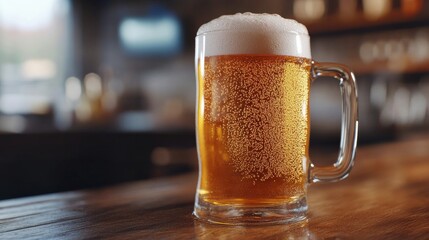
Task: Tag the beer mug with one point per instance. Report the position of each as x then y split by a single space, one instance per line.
254 73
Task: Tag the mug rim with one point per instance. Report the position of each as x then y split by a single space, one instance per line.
251 32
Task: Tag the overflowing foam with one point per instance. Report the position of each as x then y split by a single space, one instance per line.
249 33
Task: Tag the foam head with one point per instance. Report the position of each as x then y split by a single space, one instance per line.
249 33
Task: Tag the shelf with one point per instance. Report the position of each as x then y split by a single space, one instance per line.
332 25
383 67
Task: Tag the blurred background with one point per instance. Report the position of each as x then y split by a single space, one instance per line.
100 92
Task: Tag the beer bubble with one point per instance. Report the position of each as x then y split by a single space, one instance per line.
256 118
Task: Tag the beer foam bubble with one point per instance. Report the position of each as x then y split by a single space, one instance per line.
250 33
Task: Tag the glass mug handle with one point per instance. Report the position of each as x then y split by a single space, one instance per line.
349 123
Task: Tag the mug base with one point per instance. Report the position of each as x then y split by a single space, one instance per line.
286 213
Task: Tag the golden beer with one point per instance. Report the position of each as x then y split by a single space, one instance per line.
253 77
253 129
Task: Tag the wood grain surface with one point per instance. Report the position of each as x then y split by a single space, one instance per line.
385 197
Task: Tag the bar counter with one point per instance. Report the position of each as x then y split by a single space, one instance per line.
385 197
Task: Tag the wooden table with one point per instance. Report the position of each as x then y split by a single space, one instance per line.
385 197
